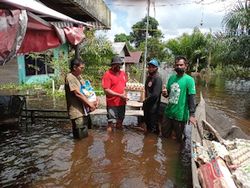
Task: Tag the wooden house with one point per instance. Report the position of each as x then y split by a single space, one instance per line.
69 16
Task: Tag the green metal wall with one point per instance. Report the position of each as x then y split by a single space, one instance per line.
23 79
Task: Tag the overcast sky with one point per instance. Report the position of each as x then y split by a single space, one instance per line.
175 17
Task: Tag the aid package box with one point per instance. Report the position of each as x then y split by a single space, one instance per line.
135 91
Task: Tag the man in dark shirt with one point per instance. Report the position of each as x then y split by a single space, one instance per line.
151 104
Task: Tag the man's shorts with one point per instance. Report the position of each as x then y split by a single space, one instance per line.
115 113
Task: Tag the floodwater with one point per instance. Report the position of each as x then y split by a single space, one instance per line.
230 97
46 155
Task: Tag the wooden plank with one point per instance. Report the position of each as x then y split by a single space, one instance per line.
196 138
211 129
44 110
46 116
127 113
96 112
134 104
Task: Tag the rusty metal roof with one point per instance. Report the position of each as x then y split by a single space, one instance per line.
41 10
134 57
118 47
86 11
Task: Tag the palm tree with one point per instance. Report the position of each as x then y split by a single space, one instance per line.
237 21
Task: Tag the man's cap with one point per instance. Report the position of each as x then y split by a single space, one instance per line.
116 60
153 62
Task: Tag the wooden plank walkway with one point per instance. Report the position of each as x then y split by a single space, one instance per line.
134 104
62 114
127 112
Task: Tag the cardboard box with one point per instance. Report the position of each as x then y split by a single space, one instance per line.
215 174
135 95
135 91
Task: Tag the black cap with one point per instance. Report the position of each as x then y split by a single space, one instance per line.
116 60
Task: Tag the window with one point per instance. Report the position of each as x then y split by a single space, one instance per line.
37 64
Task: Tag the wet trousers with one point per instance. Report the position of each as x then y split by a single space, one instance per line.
151 120
80 127
170 125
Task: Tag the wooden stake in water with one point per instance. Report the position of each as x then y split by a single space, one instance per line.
53 87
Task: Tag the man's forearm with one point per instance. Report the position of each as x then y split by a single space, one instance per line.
112 93
82 98
191 104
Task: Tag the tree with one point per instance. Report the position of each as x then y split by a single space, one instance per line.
124 38
195 47
138 34
96 50
237 38
156 49
237 21
97 53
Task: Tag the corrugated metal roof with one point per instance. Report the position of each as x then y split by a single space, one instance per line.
42 10
62 24
134 57
90 11
119 46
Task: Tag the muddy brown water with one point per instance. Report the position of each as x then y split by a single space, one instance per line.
46 155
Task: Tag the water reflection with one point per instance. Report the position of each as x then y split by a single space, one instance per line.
28 156
230 97
75 176
47 156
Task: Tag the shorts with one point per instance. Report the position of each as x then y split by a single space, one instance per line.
115 113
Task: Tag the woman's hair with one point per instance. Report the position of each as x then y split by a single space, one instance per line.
75 62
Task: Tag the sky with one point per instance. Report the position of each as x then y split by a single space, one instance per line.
175 17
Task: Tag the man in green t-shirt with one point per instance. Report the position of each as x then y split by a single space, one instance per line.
180 90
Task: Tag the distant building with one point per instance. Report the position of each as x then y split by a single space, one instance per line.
64 14
129 58
135 58
121 49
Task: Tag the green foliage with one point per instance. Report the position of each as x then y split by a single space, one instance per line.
135 73
238 51
97 53
237 21
233 47
24 87
195 47
232 71
234 50
94 74
138 34
62 68
124 38
96 50
13 86
155 49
